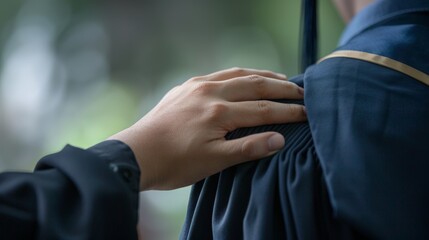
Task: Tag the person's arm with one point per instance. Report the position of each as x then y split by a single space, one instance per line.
73 194
93 193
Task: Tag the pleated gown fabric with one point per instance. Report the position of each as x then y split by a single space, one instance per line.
359 168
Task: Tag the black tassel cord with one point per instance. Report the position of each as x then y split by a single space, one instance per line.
308 34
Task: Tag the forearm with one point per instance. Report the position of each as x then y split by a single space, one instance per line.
75 194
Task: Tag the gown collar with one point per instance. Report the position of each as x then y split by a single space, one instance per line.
379 11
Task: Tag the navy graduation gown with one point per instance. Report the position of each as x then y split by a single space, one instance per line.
359 168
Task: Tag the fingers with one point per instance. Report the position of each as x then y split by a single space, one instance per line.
251 147
254 87
262 112
240 72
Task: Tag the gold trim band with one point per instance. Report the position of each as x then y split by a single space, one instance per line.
383 61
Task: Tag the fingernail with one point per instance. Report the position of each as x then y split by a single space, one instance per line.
301 91
304 110
276 142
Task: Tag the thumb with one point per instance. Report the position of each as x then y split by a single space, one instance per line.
253 147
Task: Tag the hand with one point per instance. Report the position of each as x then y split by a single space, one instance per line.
182 140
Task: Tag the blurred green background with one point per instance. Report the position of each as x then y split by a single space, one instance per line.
75 72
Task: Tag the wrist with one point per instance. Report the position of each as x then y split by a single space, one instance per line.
132 139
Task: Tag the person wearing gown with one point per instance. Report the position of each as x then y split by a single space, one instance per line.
359 168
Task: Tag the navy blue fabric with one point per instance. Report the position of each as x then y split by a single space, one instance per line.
359 169
379 12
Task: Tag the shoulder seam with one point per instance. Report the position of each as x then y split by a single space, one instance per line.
383 61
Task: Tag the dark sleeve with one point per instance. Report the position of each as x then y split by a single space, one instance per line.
73 194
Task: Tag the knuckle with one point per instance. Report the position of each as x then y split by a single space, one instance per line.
256 79
217 110
265 108
204 88
248 149
267 73
237 70
196 79
290 85
295 110
260 85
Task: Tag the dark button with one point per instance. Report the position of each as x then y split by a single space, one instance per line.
127 174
